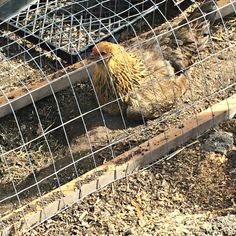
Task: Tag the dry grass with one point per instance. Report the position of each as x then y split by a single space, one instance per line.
190 194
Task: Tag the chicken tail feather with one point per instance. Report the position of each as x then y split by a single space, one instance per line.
203 17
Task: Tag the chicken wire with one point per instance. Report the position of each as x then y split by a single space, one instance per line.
71 27
59 138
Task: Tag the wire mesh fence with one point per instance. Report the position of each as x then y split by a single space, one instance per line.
82 82
69 28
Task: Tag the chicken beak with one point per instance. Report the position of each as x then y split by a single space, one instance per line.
91 56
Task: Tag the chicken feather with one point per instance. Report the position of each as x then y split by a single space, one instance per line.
142 82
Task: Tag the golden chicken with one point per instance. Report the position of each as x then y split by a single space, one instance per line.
142 83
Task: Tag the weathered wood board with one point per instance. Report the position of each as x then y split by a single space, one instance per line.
123 165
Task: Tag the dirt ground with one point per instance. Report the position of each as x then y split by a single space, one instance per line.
193 193
68 137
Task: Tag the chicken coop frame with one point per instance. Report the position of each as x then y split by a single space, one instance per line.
66 75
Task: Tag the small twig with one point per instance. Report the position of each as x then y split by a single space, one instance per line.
48 127
216 38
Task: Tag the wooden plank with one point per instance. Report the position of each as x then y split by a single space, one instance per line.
123 165
22 97
226 7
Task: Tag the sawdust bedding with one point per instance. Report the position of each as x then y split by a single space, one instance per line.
23 63
192 193
40 158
